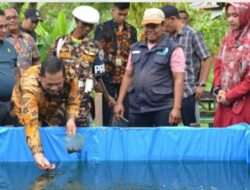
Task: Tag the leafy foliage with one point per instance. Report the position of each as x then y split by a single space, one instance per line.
4 5
61 26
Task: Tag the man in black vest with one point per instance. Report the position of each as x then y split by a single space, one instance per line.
154 77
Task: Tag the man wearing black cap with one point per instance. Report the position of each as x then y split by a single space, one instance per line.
29 23
197 62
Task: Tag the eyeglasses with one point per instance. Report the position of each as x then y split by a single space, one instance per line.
12 17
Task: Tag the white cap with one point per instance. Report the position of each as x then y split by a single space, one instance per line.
86 14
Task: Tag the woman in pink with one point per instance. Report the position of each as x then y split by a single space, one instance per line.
232 69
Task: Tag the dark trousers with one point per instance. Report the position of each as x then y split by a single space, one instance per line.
113 90
188 110
4 111
150 119
5 118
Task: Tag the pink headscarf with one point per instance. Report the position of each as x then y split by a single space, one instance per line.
238 36
233 58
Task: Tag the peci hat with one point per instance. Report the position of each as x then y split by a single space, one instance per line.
153 16
86 14
170 10
33 14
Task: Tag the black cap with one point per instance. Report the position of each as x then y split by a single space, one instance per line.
170 11
33 14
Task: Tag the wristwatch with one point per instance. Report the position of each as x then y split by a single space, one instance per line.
202 84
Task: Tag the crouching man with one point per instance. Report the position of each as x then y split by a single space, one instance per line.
45 96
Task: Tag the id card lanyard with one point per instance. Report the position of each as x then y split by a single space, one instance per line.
118 57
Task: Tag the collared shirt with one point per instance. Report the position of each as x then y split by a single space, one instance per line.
7 70
32 33
33 107
195 51
27 52
123 40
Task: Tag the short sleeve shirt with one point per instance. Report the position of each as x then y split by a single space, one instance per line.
195 51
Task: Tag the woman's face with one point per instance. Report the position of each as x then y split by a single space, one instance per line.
233 18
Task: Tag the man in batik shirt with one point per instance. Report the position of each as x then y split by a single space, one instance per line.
27 52
123 36
45 96
83 55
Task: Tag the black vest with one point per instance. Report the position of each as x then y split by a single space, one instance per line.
152 87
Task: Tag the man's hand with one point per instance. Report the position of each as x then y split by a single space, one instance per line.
71 127
118 110
112 101
43 163
199 92
175 116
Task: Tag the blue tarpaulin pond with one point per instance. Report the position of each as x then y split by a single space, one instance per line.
114 158
134 144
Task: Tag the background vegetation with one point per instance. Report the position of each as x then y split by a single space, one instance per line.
57 20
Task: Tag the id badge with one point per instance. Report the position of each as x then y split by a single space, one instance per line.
89 86
118 61
80 84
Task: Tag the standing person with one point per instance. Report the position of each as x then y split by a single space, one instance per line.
154 77
123 36
45 96
7 70
27 52
30 21
197 62
184 17
232 69
106 41
83 55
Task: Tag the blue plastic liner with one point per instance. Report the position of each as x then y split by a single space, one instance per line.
133 144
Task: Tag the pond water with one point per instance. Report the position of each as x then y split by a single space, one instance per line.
127 176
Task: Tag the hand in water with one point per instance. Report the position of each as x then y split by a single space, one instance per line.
43 163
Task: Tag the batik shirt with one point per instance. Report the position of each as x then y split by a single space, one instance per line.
27 52
123 49
34 107
123 40
83 56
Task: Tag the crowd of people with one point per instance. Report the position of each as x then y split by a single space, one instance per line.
157 81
